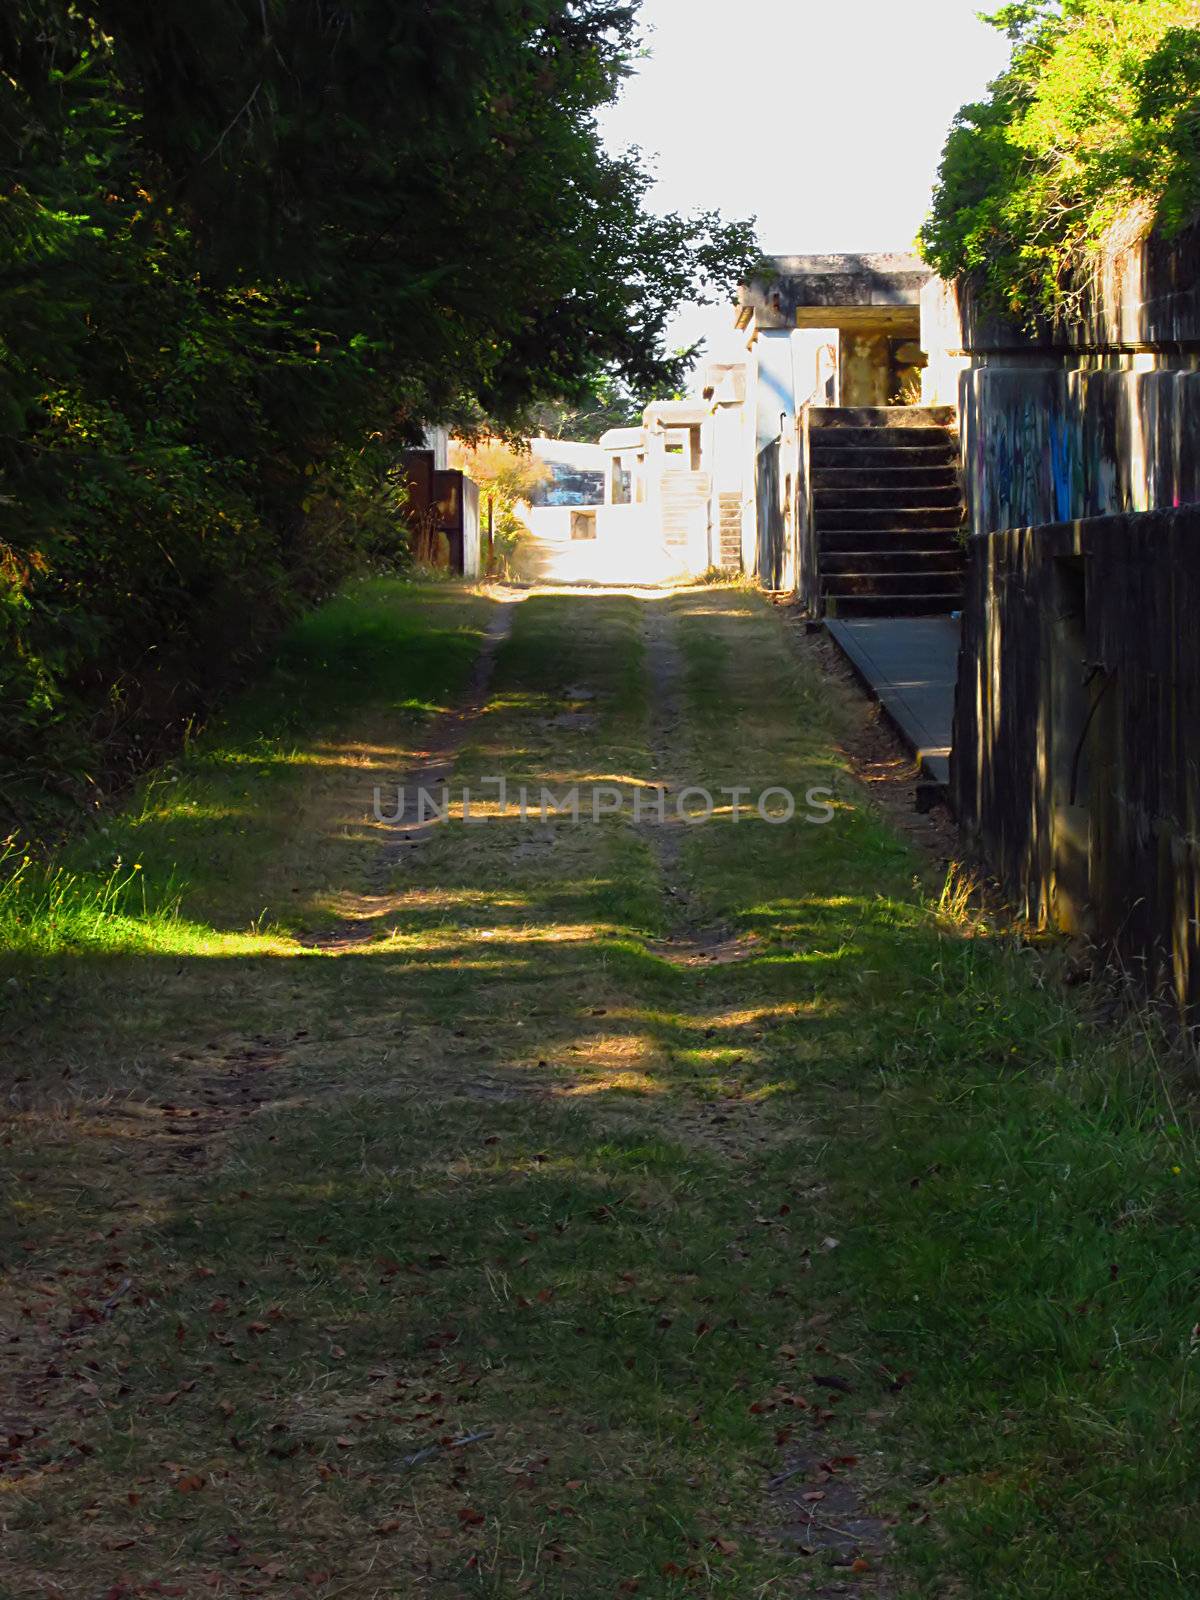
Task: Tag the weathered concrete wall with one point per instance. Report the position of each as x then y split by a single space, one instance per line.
1094 415
1076 763
799 366
768 561
729 435
472 530
456 498
776 383
1043 444
775 498
942 341
628 547
866 377
808 556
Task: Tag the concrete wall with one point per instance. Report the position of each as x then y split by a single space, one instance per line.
456 498
629 546
1076 764
437 442
726 453
1094 415
776 383
1044 444
942 340
807 561
805 365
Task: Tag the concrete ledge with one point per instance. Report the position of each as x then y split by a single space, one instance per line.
910 666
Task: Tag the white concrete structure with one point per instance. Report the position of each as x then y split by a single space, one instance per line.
674 496
681 484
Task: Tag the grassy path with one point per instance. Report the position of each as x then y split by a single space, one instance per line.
504 1221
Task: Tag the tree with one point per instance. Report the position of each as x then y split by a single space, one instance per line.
609 404
248 248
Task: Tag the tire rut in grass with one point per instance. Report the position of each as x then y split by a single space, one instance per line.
410 830
815 1504
692 938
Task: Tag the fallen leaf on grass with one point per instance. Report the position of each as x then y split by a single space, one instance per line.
469 1517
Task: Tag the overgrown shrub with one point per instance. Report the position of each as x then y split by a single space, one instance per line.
1091 137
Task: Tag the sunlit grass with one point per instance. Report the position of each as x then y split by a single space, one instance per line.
174 871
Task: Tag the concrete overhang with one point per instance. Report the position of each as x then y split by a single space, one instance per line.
623 439
828 291
675 414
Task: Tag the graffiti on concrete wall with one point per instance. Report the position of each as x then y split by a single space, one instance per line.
1045 445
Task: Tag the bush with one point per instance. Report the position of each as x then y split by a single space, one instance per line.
1091 136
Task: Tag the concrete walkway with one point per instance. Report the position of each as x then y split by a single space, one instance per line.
910 665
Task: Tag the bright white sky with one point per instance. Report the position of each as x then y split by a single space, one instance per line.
825 119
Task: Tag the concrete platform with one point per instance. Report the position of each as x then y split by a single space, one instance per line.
910 665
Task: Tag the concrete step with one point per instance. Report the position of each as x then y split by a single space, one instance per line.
837 541
905 560
914 437
829 418
923 582
934 476
888 510
927 519
892 605
912 496
860 458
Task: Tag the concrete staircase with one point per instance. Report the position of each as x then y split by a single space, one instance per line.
887 510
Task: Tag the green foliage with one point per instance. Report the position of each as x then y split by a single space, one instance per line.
1093 134
609 404
248 248
509 477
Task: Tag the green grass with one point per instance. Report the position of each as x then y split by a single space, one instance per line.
177 868
505 1168
1018 1195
